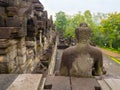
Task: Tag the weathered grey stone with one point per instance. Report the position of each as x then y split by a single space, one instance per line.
21 52
2 10
26 82
82 60
24 34
30 43
21 59
4 43
2 23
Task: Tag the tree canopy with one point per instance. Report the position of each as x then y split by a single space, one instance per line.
105 27
60 21
110 29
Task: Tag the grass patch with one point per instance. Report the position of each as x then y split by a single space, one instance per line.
115 51
112 49
115 59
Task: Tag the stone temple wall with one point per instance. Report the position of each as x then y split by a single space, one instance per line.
27 37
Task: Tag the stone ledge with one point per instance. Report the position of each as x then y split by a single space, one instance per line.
26 82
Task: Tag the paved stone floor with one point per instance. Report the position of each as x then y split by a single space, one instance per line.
6 80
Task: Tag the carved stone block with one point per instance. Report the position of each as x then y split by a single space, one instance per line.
4 3
13 22
2 10
11 32
11 11
2 23
4 43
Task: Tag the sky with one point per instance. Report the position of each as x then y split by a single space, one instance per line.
74 6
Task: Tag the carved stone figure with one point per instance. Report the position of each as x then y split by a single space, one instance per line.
82 60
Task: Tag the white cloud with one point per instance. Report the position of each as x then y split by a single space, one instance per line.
73 6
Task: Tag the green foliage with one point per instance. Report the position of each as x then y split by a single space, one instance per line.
105 27
115 59
69 23
110 28
72 24
112 49
61 20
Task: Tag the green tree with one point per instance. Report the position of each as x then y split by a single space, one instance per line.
88 16
104 33
110 28
72 23
61 20
69 23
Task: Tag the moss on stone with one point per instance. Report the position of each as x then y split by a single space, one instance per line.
99 70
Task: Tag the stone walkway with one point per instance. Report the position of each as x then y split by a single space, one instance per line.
6 80
26 82
21 81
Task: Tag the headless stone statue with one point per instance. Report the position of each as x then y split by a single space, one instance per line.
82 60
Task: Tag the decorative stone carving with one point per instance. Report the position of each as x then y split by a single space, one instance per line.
24 35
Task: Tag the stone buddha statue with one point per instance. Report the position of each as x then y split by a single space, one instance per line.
82 60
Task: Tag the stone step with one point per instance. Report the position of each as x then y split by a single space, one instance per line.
104 85
71 83
84 84
110 84
26 82
114 84
74 83
6 80
57 83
